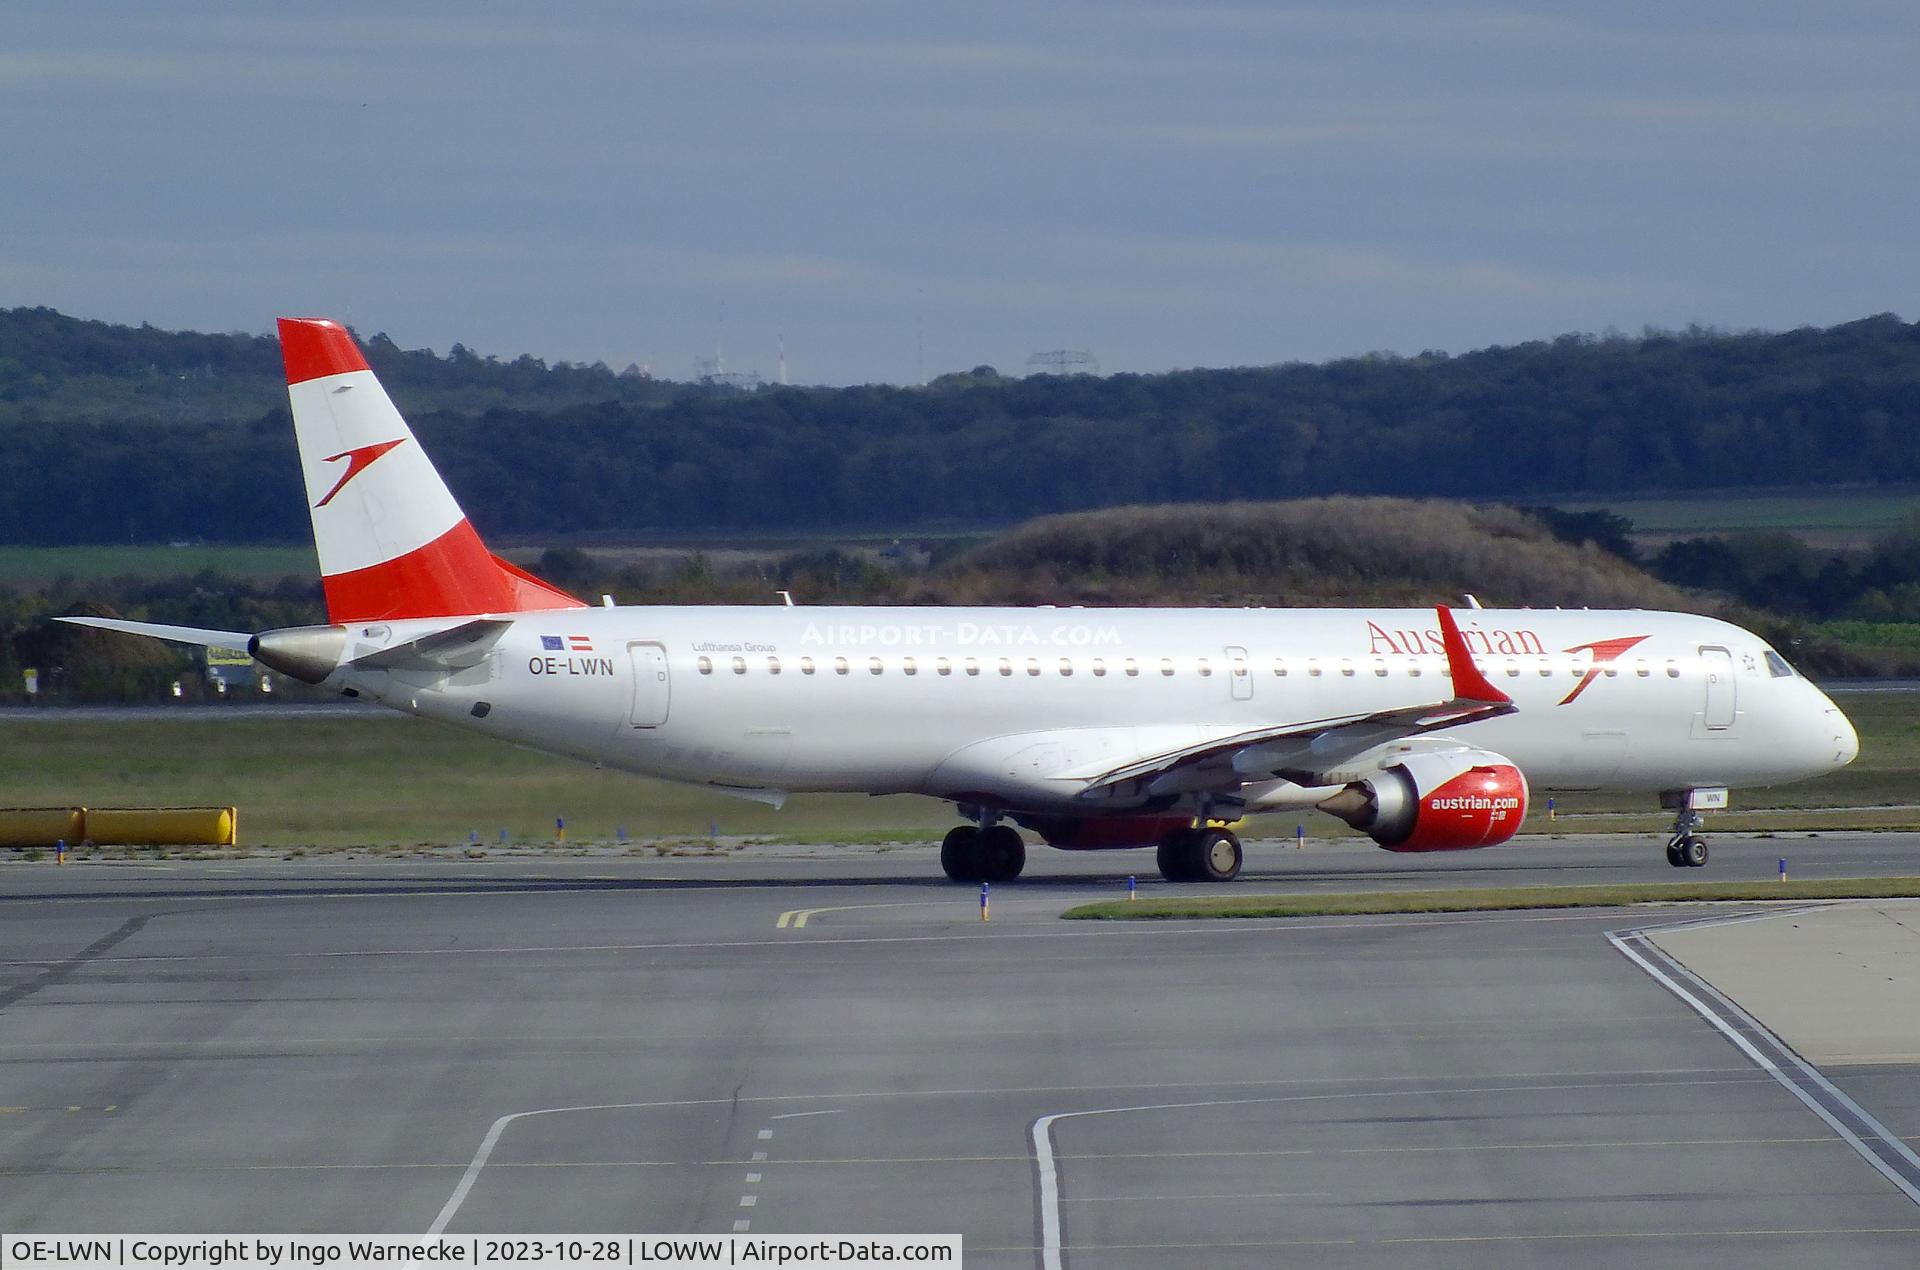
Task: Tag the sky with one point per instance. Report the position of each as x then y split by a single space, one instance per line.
896 190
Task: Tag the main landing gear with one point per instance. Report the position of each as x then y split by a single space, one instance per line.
994 854
1200 855
1687 849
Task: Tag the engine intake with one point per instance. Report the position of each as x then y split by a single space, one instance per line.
1453 800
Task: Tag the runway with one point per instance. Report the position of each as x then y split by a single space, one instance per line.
602 1045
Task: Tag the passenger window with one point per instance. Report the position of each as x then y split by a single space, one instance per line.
1413 670
1313 670
773 665
1033 665
806 665
1203 667
973 665
1379 669
1546 669
1346 669
1006 666
1166 665
1279 668
873 665
1239 669
1640 668
1613 672
706 665
840 666
908 666
1133 668
1673 670
1099 668
1513 670
739 665
943 666
1066 667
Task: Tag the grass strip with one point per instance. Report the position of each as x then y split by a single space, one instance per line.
1487 899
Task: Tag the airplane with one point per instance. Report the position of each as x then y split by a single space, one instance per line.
1092 728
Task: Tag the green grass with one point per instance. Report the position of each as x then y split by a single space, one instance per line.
1901 635
389 779
28 566
399 781
1848 510
1487 899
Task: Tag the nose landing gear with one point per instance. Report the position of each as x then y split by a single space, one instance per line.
1687 849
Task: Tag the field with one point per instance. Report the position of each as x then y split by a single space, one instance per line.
390 780
30 566
1835 518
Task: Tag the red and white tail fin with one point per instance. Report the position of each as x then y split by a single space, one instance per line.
392 541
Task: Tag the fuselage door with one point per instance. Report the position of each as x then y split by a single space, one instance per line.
650 685
1239 673
1718 664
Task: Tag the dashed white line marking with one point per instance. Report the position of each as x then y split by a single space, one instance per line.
764 1134
748 1201
741 1225
759 1156
753 1179
801 1115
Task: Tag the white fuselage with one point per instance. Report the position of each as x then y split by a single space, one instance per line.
991 705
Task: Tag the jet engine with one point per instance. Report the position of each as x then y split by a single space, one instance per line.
1449 800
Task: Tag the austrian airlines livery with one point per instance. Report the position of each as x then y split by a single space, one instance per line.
1428 730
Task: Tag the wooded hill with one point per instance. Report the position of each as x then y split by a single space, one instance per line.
117 433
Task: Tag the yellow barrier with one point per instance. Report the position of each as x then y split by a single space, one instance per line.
42 826
162 826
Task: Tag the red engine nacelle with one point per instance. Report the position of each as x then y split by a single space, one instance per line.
1452 800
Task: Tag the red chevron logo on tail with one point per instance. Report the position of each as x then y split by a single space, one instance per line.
357 462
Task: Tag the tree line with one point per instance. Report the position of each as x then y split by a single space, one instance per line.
99 452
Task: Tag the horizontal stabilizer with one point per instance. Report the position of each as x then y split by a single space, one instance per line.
236 640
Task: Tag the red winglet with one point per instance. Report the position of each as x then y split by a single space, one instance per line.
317 347
1468 683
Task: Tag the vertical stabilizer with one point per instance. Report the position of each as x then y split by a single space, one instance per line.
392 541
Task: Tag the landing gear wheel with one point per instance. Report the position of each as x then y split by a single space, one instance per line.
1174 857
1200 855
1674 857
1000 854
1216 856
1693 852
960 855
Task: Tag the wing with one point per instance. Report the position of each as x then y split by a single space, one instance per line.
237 640
1129 765
1302 749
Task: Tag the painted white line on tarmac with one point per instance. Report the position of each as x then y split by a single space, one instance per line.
1874 1142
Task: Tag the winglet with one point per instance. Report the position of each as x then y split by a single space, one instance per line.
1468 683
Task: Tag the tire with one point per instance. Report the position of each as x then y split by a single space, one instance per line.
1174 857
960 854
1216 856
1674 857
1000 853
1694 852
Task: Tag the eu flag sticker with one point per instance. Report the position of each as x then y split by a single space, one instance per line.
553 643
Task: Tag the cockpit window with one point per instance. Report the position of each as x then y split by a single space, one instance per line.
1777 666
